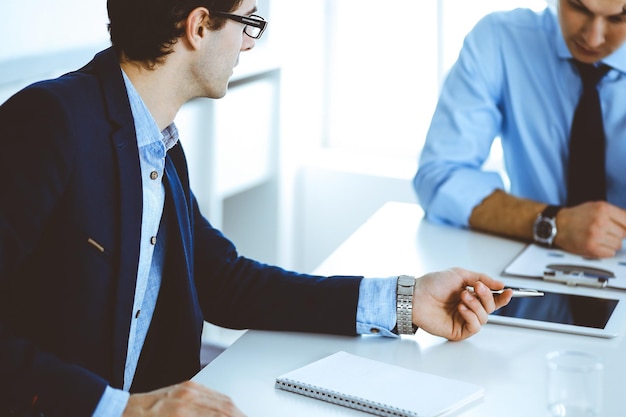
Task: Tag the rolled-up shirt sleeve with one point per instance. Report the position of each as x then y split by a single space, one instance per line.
450 181
376 310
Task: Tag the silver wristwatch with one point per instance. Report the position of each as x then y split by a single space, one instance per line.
404 305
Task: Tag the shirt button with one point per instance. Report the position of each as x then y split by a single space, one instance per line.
153 240
137 314
154 175
374 330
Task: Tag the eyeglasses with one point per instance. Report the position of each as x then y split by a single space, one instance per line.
255 25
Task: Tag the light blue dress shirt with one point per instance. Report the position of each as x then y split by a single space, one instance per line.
373 316
153 145
514 79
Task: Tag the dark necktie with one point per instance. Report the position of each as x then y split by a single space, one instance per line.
586 172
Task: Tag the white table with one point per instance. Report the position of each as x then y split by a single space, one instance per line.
508 361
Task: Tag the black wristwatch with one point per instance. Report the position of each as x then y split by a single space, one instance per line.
544 229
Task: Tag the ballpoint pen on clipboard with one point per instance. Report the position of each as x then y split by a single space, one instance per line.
578 275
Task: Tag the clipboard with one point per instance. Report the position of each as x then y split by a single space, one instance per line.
555 265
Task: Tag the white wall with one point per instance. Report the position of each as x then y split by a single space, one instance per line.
43 39
30 27
338 193
376 112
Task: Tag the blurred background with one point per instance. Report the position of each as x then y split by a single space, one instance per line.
323 123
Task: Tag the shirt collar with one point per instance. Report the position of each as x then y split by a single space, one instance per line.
170 136
146 127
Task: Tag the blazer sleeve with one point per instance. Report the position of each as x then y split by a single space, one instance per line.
238 292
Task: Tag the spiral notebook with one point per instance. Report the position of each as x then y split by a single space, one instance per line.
379 388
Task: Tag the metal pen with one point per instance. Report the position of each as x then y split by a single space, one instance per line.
517 292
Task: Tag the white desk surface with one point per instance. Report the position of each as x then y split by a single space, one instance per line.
507 361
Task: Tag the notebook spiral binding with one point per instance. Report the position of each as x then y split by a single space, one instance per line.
346 401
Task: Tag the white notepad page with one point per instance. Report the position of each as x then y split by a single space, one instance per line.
379 388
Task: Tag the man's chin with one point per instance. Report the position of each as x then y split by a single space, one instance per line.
585 55
218 94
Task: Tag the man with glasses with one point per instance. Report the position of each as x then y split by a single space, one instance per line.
107 268
551 85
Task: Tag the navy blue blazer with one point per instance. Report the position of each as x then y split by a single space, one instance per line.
70 219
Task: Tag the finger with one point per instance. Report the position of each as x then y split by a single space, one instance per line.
483 293
503 299
618 216
475 305
472 322
205 400
615 231
606 247
605 251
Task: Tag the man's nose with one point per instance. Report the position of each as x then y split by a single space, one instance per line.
593 32
248 42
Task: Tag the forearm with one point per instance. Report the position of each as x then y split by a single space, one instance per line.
504 214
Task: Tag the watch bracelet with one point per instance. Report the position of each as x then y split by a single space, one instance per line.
404 305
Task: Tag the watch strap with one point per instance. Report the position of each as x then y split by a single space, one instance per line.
550 211
404 305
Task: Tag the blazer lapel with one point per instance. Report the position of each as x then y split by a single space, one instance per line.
174 190
124 140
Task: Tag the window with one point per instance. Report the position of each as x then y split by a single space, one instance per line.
386 66
44 27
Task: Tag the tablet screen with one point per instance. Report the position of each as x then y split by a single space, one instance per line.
560 308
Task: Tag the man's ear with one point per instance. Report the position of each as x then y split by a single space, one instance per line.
196 26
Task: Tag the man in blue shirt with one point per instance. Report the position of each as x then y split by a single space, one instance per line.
107 267
515 78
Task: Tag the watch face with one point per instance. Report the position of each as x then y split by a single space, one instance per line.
544 229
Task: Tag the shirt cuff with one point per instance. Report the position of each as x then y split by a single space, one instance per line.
376 310
112 403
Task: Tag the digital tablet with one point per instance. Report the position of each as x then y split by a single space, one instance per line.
591 315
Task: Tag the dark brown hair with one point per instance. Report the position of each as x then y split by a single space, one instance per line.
145 30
